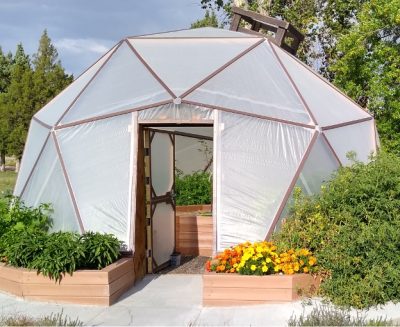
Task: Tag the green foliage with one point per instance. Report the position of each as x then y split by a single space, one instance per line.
208 20
100 249
60 253
58 319
15 216
369 66
24 242
327 315
193 189
25 87
352 228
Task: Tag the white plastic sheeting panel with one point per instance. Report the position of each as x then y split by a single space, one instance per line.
123 83
53 111
36 138
358 138
199 32
255 83
258 160
328 105
163 233
97 158
181 63
162 163
192 154
318 168
181 113
48 185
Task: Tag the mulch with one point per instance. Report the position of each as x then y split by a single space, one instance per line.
189 265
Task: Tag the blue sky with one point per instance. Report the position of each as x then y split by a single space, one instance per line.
82 30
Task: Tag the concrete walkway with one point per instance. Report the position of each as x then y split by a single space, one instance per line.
171 300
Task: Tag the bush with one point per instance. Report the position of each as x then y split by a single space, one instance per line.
100 250
58 319
353 226
193 189
14 215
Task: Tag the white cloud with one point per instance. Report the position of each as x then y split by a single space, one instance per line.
78 46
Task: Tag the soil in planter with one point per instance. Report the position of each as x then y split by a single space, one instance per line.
189 265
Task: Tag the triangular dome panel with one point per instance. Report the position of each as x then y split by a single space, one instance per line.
254 175
37 136
257 84
318 168
123 83
47 185
328 105
358 138
53 111
182 63
97 157
198 32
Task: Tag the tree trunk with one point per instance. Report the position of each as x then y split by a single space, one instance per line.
2 161
17 165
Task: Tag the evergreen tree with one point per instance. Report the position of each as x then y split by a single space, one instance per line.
5 72
49 76
18 103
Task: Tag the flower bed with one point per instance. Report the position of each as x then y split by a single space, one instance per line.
95 287
259 273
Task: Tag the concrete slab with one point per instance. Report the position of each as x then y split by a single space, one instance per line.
173 300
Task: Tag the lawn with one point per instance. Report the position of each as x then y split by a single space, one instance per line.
7 181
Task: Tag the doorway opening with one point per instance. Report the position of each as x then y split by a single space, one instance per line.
177 176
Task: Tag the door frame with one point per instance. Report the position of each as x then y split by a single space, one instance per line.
144 209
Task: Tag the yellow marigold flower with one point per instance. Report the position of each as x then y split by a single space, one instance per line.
268 260
291 271
312 261
264 268
259 249
296 267
253 267
301 262
277 260
277 268
259 255
305 270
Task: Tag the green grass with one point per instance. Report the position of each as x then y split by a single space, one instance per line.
7 181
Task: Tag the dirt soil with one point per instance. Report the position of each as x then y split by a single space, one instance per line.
189 265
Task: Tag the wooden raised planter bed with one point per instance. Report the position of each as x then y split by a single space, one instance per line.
233 289
95 287
194 232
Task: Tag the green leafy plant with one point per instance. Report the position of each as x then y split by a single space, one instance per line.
15 215
193 189
62 253
352 227
100 250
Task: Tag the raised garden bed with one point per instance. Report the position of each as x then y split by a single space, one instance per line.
96 287
221 289
194 230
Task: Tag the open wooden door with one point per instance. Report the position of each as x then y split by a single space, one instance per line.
160 197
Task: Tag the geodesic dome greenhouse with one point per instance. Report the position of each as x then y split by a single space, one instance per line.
275 124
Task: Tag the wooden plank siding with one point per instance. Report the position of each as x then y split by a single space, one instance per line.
194 232
94 287
233 289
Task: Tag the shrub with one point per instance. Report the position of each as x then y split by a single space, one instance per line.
62 253
100 250
262 258
14 215
193 189
352 227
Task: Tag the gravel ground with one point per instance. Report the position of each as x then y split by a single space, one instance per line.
189 265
